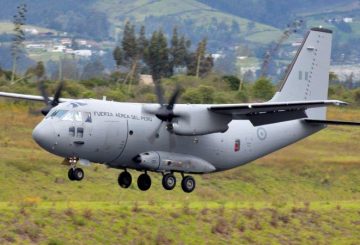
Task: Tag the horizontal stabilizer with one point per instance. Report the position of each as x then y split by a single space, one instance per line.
331 122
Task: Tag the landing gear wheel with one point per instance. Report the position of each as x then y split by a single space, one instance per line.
169 181
188 184
144 182
124 179
71 174
78 174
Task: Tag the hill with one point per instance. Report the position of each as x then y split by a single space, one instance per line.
191 17
282 198
107 18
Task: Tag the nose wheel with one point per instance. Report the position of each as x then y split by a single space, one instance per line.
76 174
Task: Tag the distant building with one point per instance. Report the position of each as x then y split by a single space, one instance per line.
348 20
83 52
58 49
146 79
217 56
35 46
32 31
66 41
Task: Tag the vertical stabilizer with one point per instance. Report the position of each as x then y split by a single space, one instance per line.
308 76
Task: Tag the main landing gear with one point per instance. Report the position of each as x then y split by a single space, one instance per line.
75 173
168 181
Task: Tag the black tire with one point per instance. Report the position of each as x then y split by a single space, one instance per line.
144 182
78 174
169 181
188 184
71 174
124 179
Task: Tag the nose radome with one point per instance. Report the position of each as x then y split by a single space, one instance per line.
44 135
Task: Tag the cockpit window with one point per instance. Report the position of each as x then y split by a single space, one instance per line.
57 114
77 116
69 116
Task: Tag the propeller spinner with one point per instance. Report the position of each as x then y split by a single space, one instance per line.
166 111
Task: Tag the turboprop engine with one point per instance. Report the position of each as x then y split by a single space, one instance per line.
166 161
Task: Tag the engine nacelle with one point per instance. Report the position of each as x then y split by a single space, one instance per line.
197 121
167 161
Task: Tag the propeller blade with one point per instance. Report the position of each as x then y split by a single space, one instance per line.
159 93
43 92
174 98
155 134
57 94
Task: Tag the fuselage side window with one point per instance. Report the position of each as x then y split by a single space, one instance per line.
87 117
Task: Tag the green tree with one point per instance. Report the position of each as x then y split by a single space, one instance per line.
263 89
39 70
142 43
118 57
18 37
93 69
158 55
200 64
333 77
129 42
129 46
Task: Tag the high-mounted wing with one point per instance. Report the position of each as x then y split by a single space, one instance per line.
29 97
271 112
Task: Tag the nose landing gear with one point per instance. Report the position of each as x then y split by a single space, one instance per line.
75 173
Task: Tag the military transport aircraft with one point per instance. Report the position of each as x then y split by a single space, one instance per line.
188 139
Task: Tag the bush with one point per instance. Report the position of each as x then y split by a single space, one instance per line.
233 82
263 89
202 95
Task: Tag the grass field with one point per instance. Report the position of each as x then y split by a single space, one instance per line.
308 193
7 27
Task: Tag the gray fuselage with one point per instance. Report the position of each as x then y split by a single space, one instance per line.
116 132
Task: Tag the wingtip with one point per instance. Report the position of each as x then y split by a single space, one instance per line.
341 103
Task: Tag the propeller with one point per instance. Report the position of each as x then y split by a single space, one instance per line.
165 112
50 103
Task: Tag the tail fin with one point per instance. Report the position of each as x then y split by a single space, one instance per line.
308 76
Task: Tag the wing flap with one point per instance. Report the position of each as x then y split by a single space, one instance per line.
267 113
253 108
332 122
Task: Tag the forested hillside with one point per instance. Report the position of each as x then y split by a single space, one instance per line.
272 12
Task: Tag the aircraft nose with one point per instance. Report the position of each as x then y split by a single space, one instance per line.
43 134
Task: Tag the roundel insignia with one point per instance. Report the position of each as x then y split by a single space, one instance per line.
261 133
